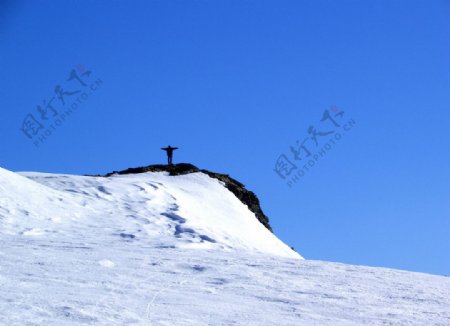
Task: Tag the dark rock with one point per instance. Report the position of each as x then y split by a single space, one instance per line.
238 189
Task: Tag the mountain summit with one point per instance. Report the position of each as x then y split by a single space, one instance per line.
238 189
176 205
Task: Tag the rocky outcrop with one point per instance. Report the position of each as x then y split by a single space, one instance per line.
238 189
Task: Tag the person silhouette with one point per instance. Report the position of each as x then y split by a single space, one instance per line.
169 150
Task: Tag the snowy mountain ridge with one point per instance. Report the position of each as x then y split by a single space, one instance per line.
159 249
195 209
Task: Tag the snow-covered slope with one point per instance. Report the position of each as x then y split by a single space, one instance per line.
187 211
154 249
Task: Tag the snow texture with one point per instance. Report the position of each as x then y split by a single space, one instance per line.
154 249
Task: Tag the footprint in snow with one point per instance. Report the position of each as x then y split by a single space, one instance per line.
198 268
75 315
127 236
218 281
103 190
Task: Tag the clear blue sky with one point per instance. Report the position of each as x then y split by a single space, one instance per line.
234 84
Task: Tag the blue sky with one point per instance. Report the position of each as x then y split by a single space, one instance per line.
234 84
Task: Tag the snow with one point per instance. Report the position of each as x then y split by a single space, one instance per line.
154 249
